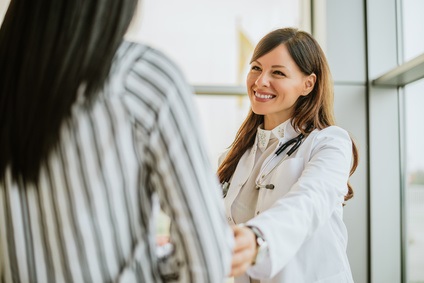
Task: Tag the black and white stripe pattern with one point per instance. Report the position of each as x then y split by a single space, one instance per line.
91 218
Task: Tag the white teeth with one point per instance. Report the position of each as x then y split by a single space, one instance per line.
264 96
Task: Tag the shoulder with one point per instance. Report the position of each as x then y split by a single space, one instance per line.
330 137
147 61
331 131
148 74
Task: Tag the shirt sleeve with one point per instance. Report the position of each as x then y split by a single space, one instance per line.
182 176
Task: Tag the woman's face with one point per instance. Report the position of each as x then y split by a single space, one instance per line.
274 83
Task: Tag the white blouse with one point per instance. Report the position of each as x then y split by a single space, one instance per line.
243 208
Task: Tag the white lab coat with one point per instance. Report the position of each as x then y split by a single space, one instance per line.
301 219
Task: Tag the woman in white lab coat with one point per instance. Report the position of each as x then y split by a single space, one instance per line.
287 209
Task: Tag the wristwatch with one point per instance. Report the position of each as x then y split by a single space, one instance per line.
261 245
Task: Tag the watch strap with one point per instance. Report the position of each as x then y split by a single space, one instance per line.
261 244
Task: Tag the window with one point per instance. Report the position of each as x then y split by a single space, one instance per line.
206 38
212 42
414 187
413 46
412 28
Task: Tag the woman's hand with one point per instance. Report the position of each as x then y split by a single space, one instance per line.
162 240
244 250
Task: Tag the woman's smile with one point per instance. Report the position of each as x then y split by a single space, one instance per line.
263 96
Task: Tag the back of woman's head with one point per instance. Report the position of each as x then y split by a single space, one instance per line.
316 109
48 50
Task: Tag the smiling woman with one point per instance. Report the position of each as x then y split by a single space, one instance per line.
274 85
289 220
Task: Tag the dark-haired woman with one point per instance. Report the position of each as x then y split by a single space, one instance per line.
95 132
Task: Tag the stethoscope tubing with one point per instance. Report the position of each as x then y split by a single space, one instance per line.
297 141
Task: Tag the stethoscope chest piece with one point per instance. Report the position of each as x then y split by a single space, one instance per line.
268 186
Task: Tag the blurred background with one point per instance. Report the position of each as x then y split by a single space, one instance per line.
376 53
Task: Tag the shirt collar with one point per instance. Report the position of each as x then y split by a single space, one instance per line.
264 136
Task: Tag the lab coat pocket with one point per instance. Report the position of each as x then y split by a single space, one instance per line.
283 178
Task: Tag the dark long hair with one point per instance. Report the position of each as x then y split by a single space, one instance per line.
48 50
313 111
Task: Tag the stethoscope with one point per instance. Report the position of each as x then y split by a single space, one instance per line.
295 142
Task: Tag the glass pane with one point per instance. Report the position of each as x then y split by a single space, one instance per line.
414 191
211 40
221 116
413 28
413 46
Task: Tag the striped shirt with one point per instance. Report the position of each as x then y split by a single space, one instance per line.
92 216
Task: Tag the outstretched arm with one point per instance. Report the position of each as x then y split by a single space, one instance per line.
183 179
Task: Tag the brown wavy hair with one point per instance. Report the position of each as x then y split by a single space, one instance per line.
314 111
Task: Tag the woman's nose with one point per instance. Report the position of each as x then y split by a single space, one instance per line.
262 80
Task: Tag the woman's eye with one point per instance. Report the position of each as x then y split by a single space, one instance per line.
279 73
255 68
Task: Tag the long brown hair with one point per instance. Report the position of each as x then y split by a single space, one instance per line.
314 111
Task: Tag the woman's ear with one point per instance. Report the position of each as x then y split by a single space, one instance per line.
309 83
